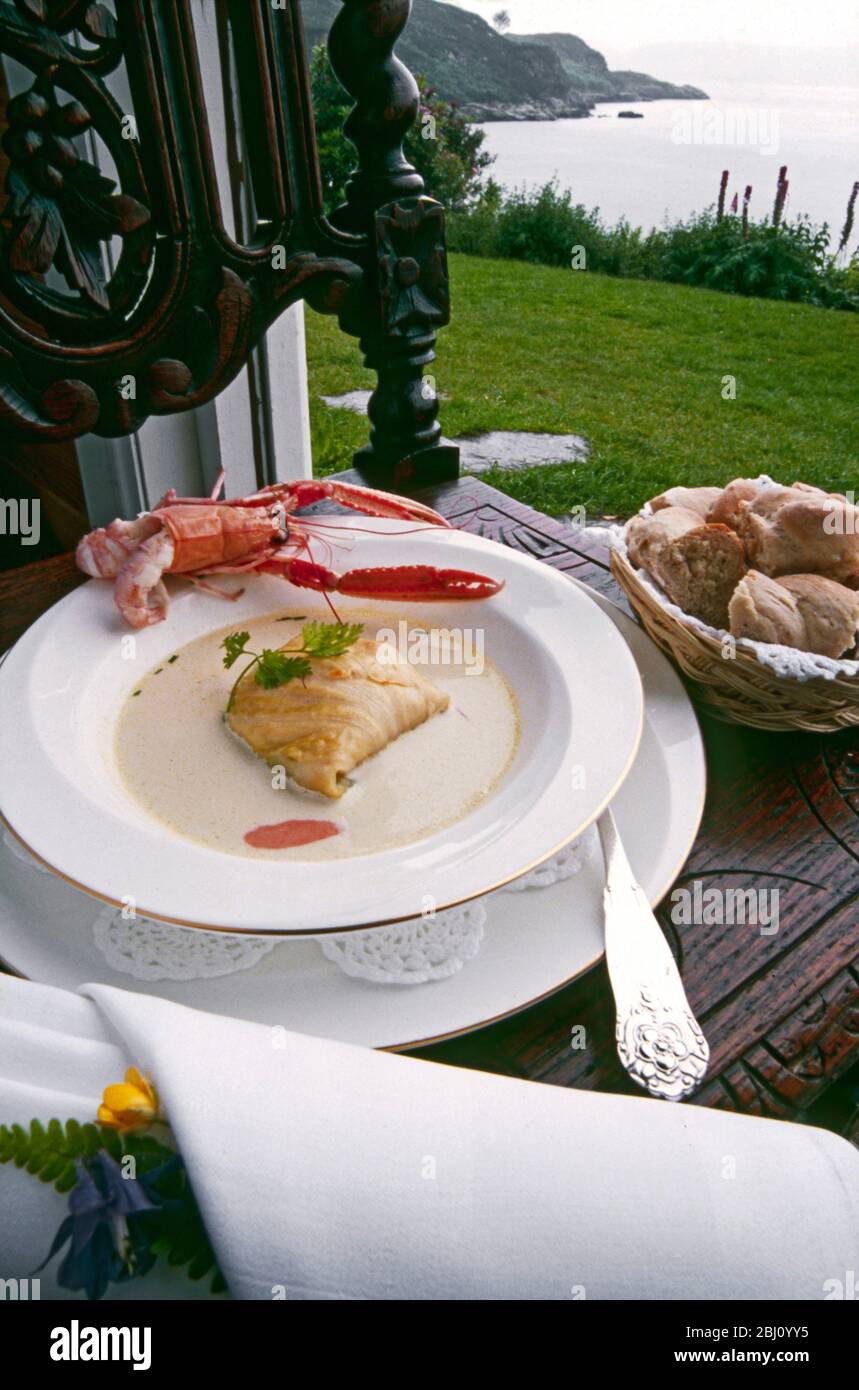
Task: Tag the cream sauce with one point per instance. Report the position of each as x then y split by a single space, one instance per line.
182 763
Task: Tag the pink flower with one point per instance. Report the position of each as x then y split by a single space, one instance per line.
723 190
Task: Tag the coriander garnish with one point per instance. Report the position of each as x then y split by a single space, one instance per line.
278 668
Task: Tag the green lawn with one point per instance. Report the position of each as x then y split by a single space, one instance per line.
634 366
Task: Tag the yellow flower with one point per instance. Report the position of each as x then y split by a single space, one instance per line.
130 1105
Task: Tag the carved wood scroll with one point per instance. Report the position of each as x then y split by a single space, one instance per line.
126 295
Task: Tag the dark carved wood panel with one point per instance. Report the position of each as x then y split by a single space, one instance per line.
171 323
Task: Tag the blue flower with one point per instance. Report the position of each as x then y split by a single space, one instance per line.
108 1226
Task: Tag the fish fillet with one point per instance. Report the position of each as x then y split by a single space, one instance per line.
349 708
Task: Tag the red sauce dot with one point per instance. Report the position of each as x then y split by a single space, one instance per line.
289 833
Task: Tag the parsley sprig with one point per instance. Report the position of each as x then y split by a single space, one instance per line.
275 668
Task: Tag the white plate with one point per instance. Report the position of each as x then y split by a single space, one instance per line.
64 684
535 941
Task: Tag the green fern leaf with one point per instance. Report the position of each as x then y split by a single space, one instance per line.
50 1153
182 1239
201 1264
53 1168
67 1179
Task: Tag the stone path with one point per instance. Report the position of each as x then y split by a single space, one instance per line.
512 449
517 450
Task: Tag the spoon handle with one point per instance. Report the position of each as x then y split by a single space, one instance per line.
658 1038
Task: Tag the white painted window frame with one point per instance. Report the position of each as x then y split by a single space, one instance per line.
124 476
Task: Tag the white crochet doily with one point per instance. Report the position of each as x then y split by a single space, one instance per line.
408 953
150 950
413 952
434 948
786 662
570 860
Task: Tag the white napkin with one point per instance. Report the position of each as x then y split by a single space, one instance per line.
326 1171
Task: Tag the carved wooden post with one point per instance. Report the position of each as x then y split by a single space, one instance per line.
405 298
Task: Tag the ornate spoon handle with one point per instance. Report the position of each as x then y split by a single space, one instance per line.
658 1038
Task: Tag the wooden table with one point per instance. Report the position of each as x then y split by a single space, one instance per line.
781 1012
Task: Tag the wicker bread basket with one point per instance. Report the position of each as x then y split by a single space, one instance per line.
740 690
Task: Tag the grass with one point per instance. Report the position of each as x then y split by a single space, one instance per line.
637 367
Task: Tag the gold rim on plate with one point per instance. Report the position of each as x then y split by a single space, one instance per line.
286 932
453 1033
507 1013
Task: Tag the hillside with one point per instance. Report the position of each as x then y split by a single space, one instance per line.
585 69
492 77
591 79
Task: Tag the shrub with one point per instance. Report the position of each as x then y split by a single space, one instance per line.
789 261
546 226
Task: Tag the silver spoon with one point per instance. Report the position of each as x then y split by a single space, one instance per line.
658 1038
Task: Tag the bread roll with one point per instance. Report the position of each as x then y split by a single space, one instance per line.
802 534
806 611
728 507
698 566
693 499
792 530
734 500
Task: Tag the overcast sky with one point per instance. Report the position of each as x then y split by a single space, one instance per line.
617 26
